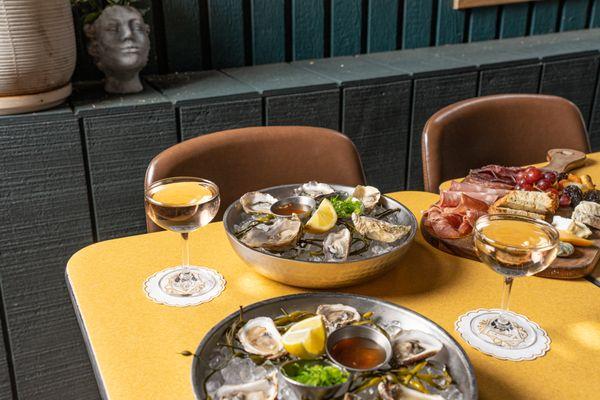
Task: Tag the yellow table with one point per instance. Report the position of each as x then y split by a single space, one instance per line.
135 343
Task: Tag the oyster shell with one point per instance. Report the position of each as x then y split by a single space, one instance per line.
315 189
260 336
379 230
337 315
368 195
280 233
257 202
336 245
389 390
411 346
262 389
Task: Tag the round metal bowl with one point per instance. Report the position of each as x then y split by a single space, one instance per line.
452 355
318 275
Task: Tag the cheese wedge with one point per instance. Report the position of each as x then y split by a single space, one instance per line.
574 240
588 213
568 225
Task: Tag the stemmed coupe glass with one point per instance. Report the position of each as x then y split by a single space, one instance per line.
513 246
183 205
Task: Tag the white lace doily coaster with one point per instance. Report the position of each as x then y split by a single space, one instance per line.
156 294
526 342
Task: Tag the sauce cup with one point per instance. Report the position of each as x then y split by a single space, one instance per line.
359 332
302 206
307 392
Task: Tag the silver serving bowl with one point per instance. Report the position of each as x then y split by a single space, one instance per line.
452 355
318 275
307 392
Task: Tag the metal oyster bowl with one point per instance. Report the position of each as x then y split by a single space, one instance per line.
318 275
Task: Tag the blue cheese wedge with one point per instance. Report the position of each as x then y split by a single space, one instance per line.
568 225
587 212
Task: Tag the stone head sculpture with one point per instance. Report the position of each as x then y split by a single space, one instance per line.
119 43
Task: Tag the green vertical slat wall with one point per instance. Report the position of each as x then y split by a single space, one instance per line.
226 18
345 27
308 18
382 25
182 20
544 17
450 24
574 15
513 21
268 31
595 15
416 28
482 24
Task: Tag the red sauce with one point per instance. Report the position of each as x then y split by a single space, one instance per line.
290 208
358 353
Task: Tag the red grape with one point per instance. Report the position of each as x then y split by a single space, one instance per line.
565 200
532 175
521 181
520 176
550 176
526 186
543 184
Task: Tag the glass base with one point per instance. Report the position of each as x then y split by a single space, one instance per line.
503 334
184 286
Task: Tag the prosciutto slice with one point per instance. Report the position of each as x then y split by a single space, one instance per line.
454 216
497 173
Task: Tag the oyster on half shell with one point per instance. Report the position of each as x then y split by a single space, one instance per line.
389 390
336 245
379 230
368 195
260 336
262 389
315 189
279 233
411 346
337 315
257 202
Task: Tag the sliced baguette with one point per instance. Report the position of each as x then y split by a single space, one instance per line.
494 209
533 202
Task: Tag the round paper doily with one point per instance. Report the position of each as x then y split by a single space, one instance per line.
156 294
527 342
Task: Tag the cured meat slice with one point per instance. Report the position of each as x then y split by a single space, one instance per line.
487 183
453 197
497 173
454 216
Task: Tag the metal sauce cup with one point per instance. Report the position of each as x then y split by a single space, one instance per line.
305 203
359 331
307 392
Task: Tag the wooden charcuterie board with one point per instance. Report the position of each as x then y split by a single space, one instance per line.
578 265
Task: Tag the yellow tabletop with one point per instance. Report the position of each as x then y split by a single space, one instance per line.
136 343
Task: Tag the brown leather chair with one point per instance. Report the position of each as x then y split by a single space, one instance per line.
504 129
242 160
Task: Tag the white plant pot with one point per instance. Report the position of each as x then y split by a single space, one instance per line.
37 54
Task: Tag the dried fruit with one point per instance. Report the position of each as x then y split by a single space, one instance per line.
592 195
575 193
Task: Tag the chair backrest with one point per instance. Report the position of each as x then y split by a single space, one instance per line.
504 129
242 160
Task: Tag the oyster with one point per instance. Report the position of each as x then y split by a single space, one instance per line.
257 202
279 233
337 315
379 230
336 245
368 195
389 390
411 346
315 189
260 336
262 389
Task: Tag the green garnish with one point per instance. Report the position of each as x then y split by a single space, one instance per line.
345 208
320 375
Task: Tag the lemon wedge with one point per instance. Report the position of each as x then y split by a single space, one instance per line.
306 339
323 219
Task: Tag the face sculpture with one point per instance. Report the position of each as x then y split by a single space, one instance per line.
119 43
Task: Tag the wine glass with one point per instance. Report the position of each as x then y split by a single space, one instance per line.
513 246
183 205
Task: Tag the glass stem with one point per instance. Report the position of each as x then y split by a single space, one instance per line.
185 253
502 322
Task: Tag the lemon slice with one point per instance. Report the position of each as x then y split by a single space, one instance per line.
305 339
323 219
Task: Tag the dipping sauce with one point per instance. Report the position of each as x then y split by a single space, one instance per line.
358 353
513 233
291 208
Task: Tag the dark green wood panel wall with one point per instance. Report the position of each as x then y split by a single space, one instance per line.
194 35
